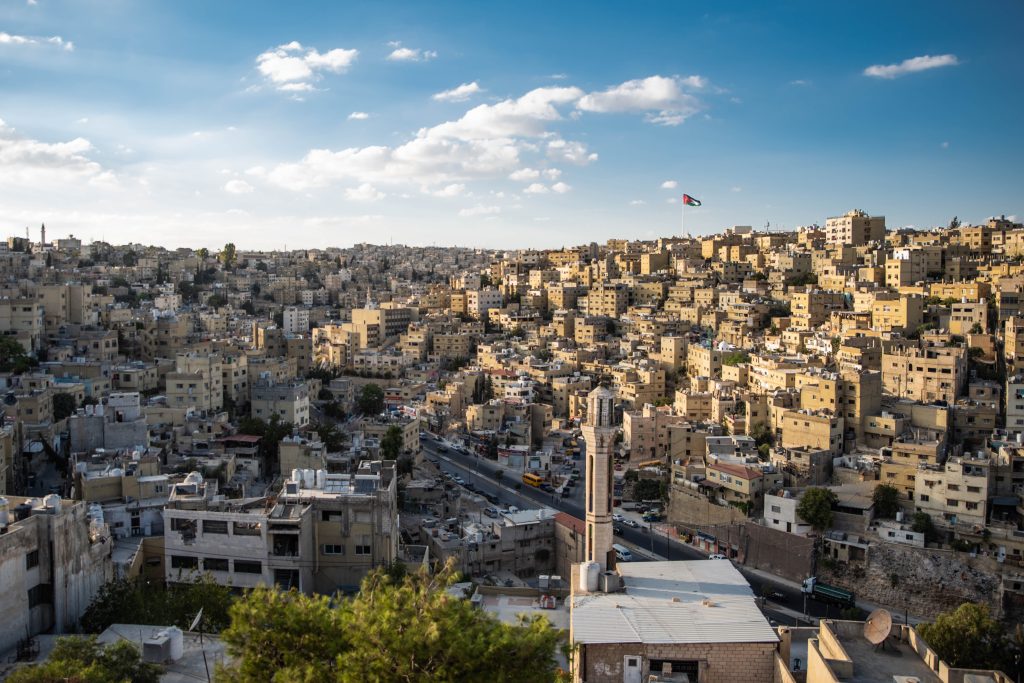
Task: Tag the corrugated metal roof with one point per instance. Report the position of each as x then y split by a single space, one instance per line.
664 602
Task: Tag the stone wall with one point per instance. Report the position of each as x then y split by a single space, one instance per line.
927 582
689 508
781 553
719 662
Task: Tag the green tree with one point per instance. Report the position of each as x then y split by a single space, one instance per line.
966 637
391 444
761 433
815 507
134 601
217 300
370 400
227 255
647 489
399 627
922 524
203 253
735 358
12 356
886 498
331 436
77 659
63 406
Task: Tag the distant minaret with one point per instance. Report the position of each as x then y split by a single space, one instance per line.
42 236
599 433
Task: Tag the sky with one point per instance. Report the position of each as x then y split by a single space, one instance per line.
504 125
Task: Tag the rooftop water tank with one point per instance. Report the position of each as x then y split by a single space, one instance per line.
5 514
52 503
176 641
194 478
590 573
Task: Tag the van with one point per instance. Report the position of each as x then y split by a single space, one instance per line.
622 553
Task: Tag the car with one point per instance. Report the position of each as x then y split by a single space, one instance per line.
443 449
491 512
566 492
617 517
548 488
632 523
491 498
617 529
571 482
470 487
458 480
717 556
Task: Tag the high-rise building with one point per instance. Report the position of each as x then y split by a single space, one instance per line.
599 433
855 228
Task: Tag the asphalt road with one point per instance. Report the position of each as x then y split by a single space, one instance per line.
481 472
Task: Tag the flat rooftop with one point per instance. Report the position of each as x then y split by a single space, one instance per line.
696 601
871 664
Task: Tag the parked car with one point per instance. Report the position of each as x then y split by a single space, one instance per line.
617 529
566 492
617 517
491 512
717 556
632 523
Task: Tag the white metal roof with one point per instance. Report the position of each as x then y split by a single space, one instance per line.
664 602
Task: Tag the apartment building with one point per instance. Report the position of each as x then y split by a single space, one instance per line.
288 400
855 228
925 374
956 492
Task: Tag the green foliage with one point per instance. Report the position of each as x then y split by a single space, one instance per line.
400 627
976 328
761 433
331 436
217 300
370 400
966 637
922 524
392 442
324 395
975 352
886 498
272 433
63 406
815 507
83 660
203 253
648 489
802 280
130 601
227 255
12 356
735 358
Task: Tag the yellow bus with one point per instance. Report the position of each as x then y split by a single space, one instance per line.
650 463
533 479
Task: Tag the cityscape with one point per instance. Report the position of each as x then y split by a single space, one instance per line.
399 359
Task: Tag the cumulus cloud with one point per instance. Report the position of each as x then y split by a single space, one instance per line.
479 210
524 174
294 68
909 66
24 160
669 185
459 93
560 188
408 54
237 186
536 188
358 116
448 191
665 99
364 193
56 41
571 151
637 202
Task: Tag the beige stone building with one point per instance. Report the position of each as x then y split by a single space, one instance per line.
855 228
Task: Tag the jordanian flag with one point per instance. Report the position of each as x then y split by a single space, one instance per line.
690 201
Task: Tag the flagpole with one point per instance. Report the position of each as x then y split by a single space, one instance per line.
682 218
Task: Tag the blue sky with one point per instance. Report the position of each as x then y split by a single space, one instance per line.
500 125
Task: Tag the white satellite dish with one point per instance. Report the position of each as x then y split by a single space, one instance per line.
878 626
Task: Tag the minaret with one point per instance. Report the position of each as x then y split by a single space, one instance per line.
42 237
599 432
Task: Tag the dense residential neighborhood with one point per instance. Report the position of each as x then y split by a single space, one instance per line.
834 412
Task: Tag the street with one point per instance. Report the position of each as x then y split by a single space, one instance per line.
481 472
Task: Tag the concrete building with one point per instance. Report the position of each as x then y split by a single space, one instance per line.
855 228
115 425
288 400
697 618
295 320
54 557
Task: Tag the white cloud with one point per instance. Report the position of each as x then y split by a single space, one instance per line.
669 185
800 82
237 186
637 202
448 191
408 54
364 193
294 68
56 41
945 145
561 188
358 116
909 66
536 188
571 151
665 95
480 210
458 94
28 161
736 189
524 174
553 173
558 77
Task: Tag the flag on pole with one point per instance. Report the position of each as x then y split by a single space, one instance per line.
690 201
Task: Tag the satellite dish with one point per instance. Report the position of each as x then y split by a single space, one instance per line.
877 626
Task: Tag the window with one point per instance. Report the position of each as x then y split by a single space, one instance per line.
40 595
215 526
333 549
364 547
776 508
248 567
32 559
215 564
184 562
246 529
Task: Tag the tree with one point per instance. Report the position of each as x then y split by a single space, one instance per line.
815 507
370 400
922 524
966 637
12 356
886 500
227 255
79 659
399 627
217 300
647 489
391 444
761 433
203 253
955 223
735 358
123 601
63 406
331 436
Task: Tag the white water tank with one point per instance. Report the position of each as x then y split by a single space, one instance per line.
297 476
5 512
309 478
321 477
176 642
194 478
590 573
52 502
